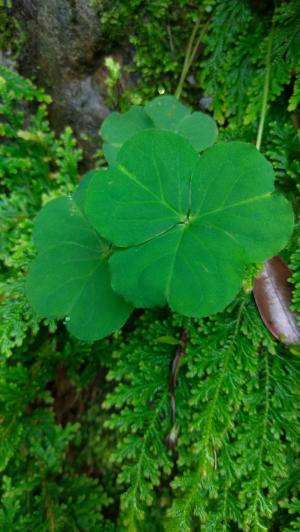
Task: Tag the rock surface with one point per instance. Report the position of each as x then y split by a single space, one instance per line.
65 55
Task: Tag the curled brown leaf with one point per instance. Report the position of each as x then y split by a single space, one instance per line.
272 293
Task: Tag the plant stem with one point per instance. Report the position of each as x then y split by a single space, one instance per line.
198 41
265 92
49 512
190 53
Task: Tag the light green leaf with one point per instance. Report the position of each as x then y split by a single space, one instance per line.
170 340
168 113
190 223
70 277
164 112
117 128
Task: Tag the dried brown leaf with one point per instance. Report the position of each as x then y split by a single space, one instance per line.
272 293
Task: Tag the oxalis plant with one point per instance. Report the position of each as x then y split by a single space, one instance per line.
174 220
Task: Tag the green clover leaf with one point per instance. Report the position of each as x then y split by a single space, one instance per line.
168 113
70 276
117 128
164 112
189 224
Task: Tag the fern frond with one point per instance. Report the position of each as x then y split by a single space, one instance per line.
140 413
244 397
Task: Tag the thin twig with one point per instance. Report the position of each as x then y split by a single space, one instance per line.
191 50
186 64
48 507
171 41
197 44
180 351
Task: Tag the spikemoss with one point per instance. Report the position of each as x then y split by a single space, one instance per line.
83 427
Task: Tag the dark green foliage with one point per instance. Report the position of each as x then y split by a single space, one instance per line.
68 431
184 242
70 277
40 490
238 433
34 167
12 35
244 425
164 112
158 32
236 55
140 413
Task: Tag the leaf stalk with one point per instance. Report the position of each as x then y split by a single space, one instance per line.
191 50
264 105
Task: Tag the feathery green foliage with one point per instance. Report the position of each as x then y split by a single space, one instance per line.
34 167
235 58
139 413
244 425
83 427
40 489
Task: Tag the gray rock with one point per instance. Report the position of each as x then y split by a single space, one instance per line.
205 102
7 59
78 103
65 55
68 36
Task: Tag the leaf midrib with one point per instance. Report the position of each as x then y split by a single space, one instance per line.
133 178
199 216
172 266
89 276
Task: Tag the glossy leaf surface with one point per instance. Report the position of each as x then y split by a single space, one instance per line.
190 223
70 277
164 112
272 293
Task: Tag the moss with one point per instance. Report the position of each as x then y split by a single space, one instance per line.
12 35
157 32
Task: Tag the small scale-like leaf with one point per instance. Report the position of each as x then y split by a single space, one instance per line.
272 293
190 223
170 340
70 276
